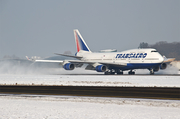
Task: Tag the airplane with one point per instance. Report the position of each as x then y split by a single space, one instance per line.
114 62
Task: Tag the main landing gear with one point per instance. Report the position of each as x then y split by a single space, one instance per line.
118 72
131 72
110 72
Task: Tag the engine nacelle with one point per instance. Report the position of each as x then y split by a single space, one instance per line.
163 66
101 68
156 69
69 66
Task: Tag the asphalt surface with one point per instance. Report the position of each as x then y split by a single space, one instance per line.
96 91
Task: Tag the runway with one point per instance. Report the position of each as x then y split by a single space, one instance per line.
96 91
121 75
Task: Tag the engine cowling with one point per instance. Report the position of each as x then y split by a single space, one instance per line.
69 66
163 66
101 68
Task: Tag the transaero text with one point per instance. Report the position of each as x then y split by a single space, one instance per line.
132 55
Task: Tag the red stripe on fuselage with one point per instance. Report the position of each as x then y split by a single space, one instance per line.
77 42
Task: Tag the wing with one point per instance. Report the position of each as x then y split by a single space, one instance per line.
34 60
57 61
78 57
168 60
92 62
79 63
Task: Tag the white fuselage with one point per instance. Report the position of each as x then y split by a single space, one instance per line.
140 57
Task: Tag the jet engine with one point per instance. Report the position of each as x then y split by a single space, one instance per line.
163 66
69 66
101 68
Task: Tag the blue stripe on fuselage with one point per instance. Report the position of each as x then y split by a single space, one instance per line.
136 66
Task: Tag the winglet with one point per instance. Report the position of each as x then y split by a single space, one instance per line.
80 43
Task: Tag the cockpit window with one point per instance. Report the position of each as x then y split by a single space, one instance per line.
154 51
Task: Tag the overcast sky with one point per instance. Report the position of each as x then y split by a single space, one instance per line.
44 27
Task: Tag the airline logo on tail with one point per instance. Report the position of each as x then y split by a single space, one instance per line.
80 43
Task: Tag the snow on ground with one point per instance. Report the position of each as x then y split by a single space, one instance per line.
54 107
80 77
89 80
68 107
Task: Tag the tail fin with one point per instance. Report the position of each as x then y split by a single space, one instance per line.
80 43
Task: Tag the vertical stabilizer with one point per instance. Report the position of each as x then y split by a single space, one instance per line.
80 43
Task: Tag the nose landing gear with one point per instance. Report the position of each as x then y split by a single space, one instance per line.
151 71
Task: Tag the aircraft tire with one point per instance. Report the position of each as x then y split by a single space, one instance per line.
119 73
112 73
107 73
131 72
151 72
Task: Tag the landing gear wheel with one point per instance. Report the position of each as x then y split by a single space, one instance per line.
119 72
151 72
110 72
131 72
107 73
